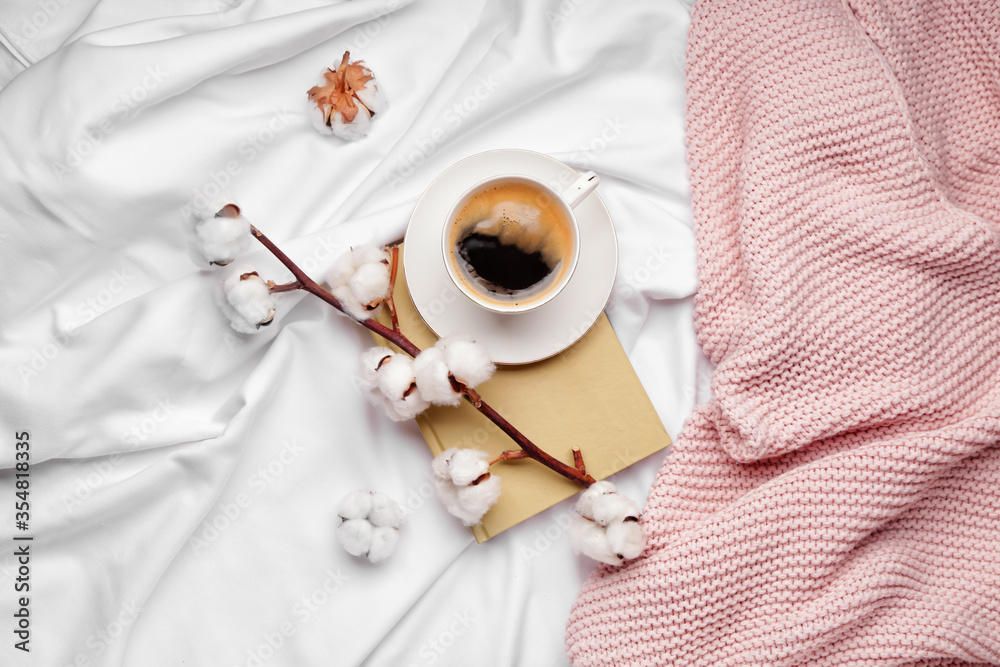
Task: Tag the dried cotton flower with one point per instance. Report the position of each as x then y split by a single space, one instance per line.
346 100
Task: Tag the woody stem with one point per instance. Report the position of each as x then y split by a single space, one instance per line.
509 455
578 460
390 304
285 287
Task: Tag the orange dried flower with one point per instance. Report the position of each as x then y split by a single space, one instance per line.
346 100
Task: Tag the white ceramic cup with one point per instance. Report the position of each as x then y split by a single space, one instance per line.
556 229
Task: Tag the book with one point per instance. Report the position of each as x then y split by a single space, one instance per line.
586 396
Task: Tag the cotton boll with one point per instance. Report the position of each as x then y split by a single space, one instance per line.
602 503
318 118
395 377
370 283
613 507
218 202
467 465
468 361
355 505
350 303
347 90
585 503
249 295
466 501
355 536
238 324
431 373
370 524
407 407
440 466
369 254
340 272
460 466
455 358
447 493
476 500
387 378
347 263
360 278
383 543
591 540
222 239
371 96
606 525
625 538
248 301
396 382
372 360
354 130
601 488
384 512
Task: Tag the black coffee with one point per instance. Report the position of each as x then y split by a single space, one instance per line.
509 242
506 267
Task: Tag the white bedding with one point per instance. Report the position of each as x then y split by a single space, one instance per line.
184 480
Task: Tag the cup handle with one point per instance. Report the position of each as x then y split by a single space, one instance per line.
580 188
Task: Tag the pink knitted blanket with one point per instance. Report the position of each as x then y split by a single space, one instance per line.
838 501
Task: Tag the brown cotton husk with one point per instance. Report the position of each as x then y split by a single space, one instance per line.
338 93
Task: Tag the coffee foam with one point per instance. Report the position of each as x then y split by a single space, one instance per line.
518 214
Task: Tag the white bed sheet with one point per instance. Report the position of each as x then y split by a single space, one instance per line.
184 480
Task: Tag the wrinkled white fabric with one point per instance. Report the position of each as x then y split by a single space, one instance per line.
185 479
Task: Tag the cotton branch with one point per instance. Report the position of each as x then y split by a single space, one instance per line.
390 304
576 472
309 285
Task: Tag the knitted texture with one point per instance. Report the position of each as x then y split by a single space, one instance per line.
838 501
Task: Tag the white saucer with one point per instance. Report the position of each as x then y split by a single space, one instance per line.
518 338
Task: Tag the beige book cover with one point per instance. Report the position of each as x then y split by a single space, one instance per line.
588 396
